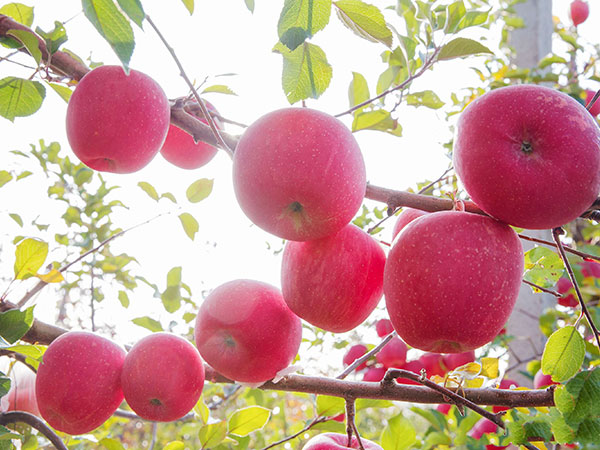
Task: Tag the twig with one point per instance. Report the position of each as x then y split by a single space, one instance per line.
547 291
18 357
565 247
314 422
366 356
133 416
350 425
154 435
34 422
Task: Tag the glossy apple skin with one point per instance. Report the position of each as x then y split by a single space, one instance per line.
117 122
454 360
383 327
246 332
406 216
162 377
529 156
506 383
393 354
353 353
21 396
299 174
579 12
336 441
334 282
595 109
78 383
180 149
451 280
541 381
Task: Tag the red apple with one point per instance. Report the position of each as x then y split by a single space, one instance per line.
299 174
353 353
579 11
383 327
483 426
117 122
406 216
454 360
444 408
451 280
21 396
374 374
541 381
590 269
181 150
564 286
246 332
78 383
506 383
414 366
432 363
336 441
147 388
393 354
595 109
529 156
334 282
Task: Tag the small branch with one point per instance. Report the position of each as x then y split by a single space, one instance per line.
18 357
565 247
350 424
547 291
133 416
366 356
314 422
154 435
34 422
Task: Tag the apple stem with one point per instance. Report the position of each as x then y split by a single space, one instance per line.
34 422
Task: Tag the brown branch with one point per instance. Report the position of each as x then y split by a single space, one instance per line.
565 247
357 362
547 291
34 422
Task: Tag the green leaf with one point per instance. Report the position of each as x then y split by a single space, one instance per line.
365 20
250 5
358 91
379 119
331 426
20 12
148 189
30 255
171 299
148 323
219 88
454 14
330 406
63 91
5 177
174 445
134 10
19 97
399 434
189 5
199 190
190 225
169 196
16 218
246 420
55 38
459 47
563 432
579 399
113 26
174 277
542 267
306 72
30 41
472 19
588 431
363 403
15 323
111 444
551 59
302 19
4 385
202 410
24 174
124 299
564 354
212 434
425 98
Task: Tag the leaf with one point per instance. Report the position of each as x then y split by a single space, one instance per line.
363 403
425 98
212 434
19 97
199 190
189 4
564 354
171 299
379 119
250 5
24 174
63 91
399 434
134 10
169 196
148 189
4 385
113 26
202 410
16 218
124 299
54 276
5 177
219 88
148 323
579 399
246 420
454 13
174 445
489 367
32 351
365 20
20 12
330 406
111 444
30 255
459 47
30 41
55 38
14 323
301 19
472 19
542 267
358 91
190 225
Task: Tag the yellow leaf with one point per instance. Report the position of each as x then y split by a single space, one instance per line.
475 383
539 445
523 410
489 367
468 371
30 255
437 379
543 409
54 276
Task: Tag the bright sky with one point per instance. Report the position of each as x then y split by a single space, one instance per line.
221 37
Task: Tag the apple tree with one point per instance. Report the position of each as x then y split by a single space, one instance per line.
389 301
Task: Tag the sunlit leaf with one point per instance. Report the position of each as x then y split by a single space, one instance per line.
190 225
543 267
54 276
399 434
246 420
134 10
123 299
301 19
199 190
111 444
250 5
174 445
64 92
14 323
19 97
5 177
18 11
330 406
149 189
365 20
489 367
16 218
563 354
219 88
358 91
425 98
189 4
55 38
30 41
459 47
30 255
579 399
212 434
148 323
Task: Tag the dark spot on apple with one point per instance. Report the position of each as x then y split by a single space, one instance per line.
296 207
155 402
229 341
526 147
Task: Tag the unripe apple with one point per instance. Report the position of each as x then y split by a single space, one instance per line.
406 216
374 374
506 383
353 353
334 282
383 327
246 332
454 360
181 150
21 396
564 287
541 381
299 174
579 11
393 354
117 122
336 441
529 156
451 280
78 383
595 109
162 377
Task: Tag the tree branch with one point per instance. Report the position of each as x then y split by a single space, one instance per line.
34 422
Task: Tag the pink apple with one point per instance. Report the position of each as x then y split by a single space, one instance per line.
299 174
353 353
414 366
590 269
181 150
117 122
451 280
374 374
383 327
529 156
406 216
595 109
334 282
162 377
506 383
246 332
336 441
541 381
444 408
454 360
393 354
483 426
21 396
432 363
564 286
579 11
78 384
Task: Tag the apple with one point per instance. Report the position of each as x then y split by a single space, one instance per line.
451 280
117 122
383 327
299 174
444 408
564 286
393 354
505 383
162 377
432 363
181 150
337 441
334 282
353 353
78 383
590 269
579 11
413 366
406 216
454 360
374 374
529 156
21 395
595 109
541 381
246 332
